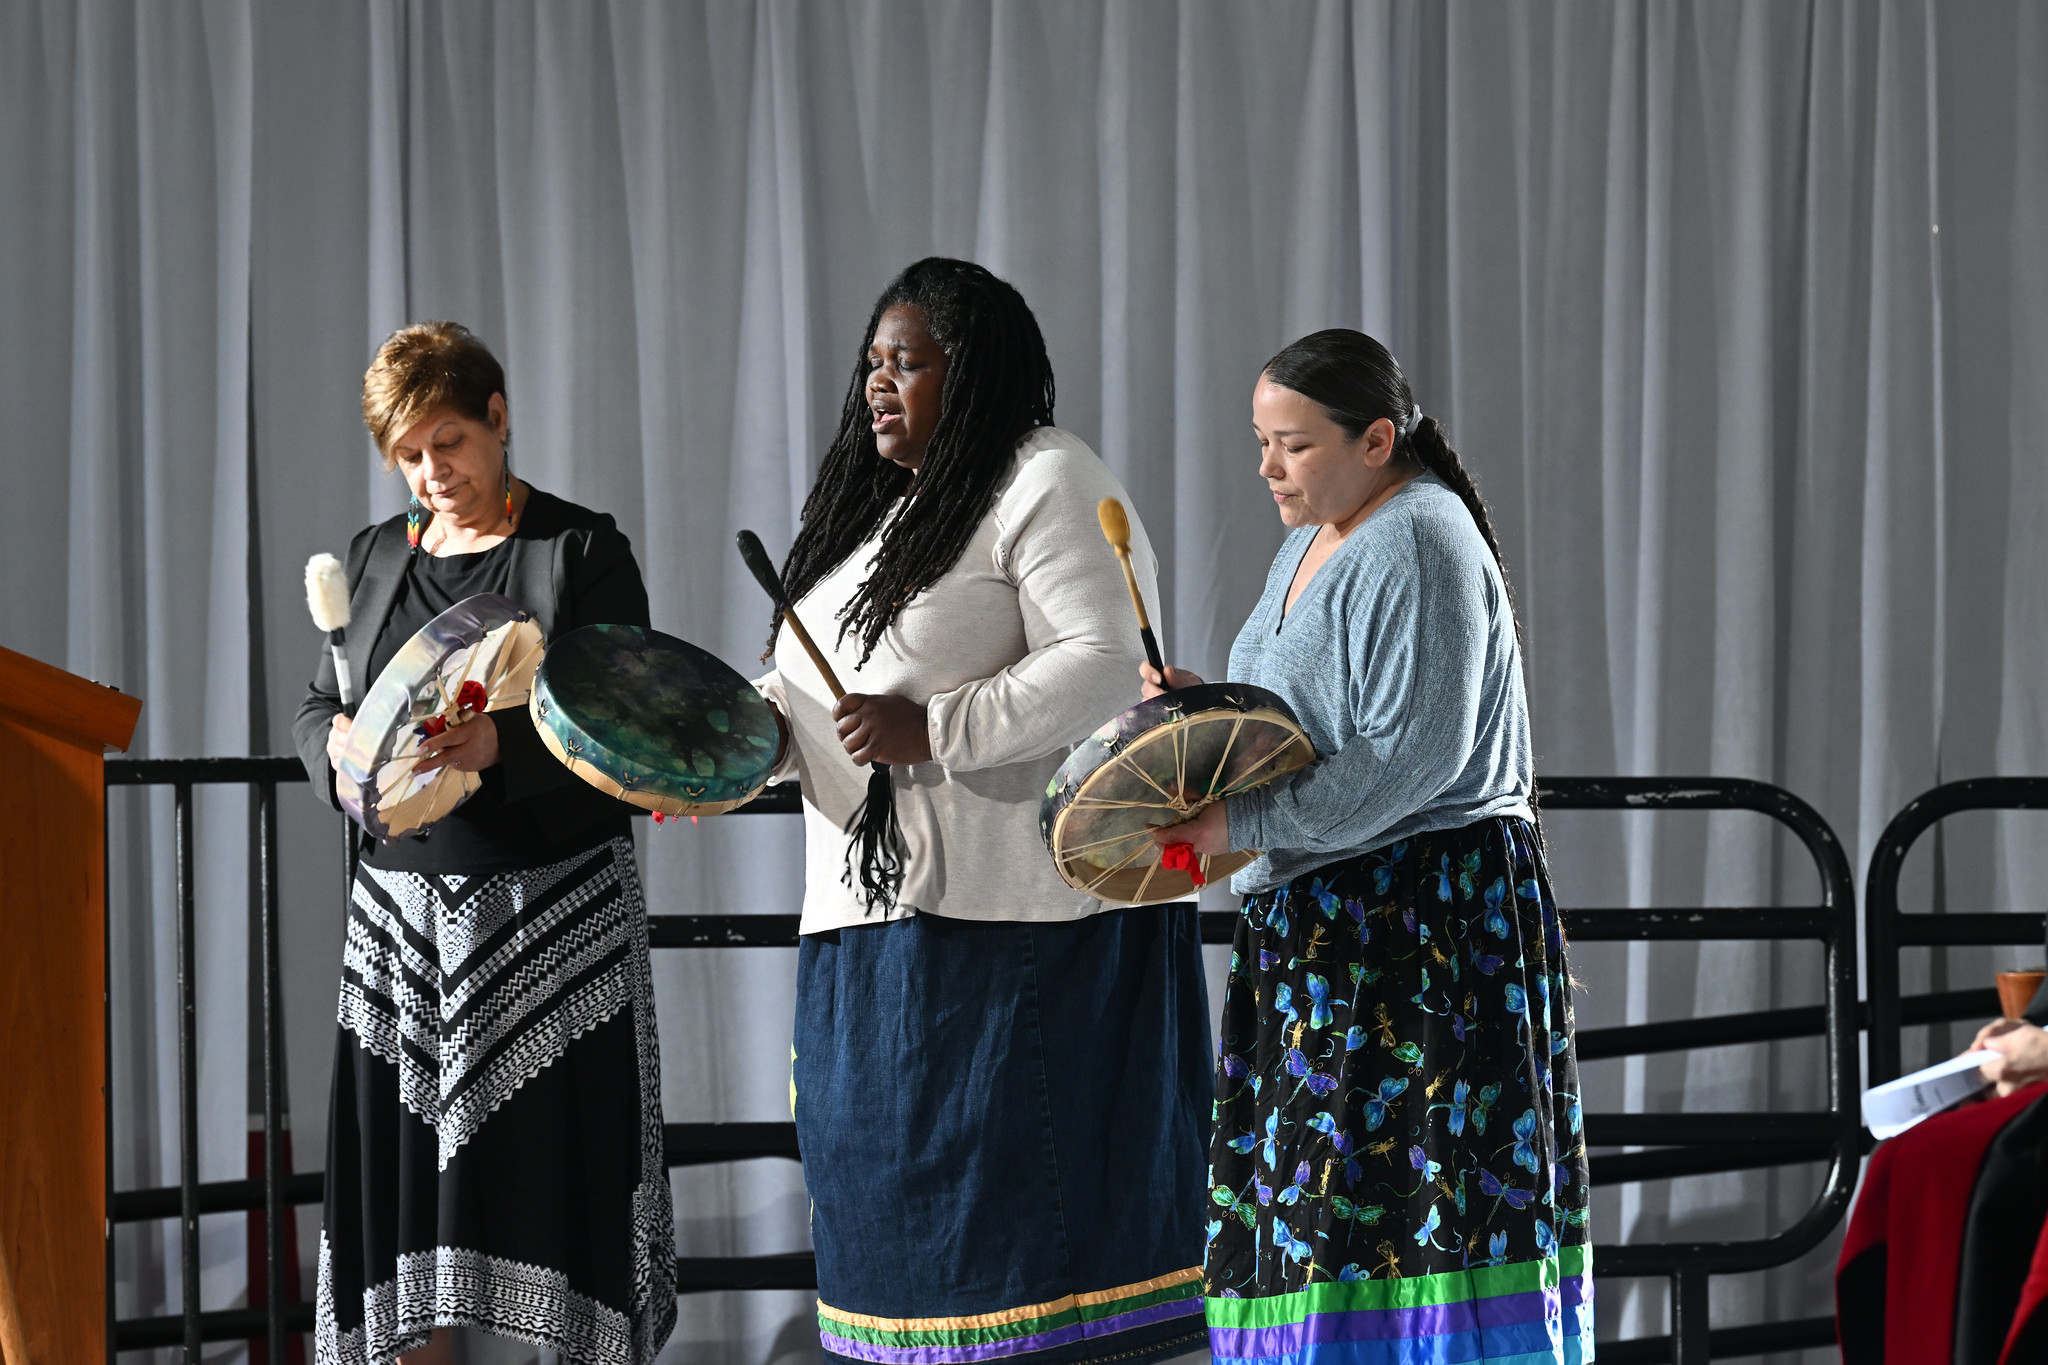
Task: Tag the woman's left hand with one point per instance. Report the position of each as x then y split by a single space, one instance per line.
883 729
1208 832
469 747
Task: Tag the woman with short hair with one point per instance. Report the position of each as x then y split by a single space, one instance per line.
1397 1169
494 1155
1001 1084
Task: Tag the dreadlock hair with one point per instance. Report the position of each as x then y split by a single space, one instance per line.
1358 382
998 387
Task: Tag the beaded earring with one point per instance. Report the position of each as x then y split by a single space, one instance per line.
415 522
506 446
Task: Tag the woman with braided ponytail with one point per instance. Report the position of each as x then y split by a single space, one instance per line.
1002 1086
1397 1056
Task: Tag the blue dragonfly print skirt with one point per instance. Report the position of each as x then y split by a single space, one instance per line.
1398 1173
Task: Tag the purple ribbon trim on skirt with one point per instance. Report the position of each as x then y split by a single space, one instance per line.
1399 1324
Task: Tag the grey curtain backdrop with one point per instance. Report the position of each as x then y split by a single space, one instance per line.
1739 311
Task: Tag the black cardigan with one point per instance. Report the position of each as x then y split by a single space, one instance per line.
571 567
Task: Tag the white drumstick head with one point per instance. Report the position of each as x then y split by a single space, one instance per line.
327 592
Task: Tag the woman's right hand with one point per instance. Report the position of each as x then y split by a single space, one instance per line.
2022 1050
1176 678
337 740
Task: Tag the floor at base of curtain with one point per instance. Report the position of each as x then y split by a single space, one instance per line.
1946 1257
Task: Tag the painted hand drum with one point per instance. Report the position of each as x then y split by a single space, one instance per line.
477 656
654 720
1160 763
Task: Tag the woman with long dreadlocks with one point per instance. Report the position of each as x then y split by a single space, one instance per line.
1002 1086
1397 1169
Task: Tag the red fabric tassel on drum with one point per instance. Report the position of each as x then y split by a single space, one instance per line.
1181 858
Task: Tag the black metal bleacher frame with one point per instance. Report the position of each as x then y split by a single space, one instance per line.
189 1199
1889 930
1694 1143
1684 1144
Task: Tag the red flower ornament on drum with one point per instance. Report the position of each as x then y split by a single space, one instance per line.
1181 858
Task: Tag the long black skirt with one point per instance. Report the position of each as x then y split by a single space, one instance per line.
494 1149
1398 1173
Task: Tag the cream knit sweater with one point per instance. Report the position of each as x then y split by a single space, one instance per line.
1019 653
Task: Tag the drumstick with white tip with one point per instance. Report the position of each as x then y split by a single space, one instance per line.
1116 529
327 599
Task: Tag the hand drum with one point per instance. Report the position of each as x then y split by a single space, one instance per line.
1160 763
477 656
654 720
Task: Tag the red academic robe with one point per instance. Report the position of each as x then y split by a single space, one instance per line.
1896 1282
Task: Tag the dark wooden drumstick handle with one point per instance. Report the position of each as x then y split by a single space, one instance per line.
1144 626
755 556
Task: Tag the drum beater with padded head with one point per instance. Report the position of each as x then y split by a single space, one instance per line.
1116 529
327 599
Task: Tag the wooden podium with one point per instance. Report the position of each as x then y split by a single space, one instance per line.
54 731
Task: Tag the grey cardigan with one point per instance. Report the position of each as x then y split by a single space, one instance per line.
1400 660
571 567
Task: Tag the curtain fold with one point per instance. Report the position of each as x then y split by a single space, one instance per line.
1734 310
2022 736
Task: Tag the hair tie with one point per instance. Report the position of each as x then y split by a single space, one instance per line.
1414 420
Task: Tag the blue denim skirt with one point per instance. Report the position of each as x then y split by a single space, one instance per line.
1005 1135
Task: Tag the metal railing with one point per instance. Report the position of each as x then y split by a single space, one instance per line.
1682 1144
1701 1143
191 1326
1888 930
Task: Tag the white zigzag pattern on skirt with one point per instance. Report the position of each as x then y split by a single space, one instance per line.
520 987
378 946
378 951
453 1287
491 904
654 1217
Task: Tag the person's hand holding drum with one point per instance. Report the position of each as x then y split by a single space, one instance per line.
469 747
337 739
1207 833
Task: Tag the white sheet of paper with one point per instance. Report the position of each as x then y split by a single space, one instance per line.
1890 1109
